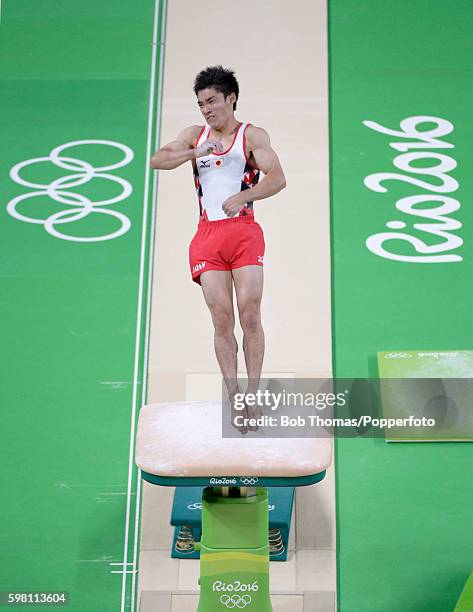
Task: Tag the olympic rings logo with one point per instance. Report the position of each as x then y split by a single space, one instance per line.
398 356
248 481
235 601
79 205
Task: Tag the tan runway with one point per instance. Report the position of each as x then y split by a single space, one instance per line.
280 60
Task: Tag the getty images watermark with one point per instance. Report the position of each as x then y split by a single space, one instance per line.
321 401
398 409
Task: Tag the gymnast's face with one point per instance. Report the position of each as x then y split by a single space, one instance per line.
215 108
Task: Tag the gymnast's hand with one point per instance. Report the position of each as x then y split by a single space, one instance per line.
207 147
233 205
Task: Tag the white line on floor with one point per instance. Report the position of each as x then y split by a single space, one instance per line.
139 308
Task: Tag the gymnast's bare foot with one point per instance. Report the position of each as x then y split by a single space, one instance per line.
254 412
238 415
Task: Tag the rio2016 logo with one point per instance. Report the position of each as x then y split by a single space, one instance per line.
235 600
76 206
435 219
223 481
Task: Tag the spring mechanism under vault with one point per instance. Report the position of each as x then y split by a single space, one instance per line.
276 544
185 540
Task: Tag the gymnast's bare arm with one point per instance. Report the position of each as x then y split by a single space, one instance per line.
183 149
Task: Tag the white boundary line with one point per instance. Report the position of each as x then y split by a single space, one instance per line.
139 307
150 287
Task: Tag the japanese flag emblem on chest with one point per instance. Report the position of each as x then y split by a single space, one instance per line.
218 163
210 163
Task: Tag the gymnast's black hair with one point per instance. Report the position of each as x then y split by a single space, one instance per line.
220 78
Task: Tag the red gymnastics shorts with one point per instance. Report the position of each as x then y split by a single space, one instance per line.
226 244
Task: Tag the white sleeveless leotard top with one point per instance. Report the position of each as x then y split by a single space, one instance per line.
220 175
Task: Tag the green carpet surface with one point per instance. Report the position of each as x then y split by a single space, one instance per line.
404 511
73 286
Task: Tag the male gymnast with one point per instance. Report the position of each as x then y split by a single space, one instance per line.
227 157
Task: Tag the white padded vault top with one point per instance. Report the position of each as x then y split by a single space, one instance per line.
185 439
